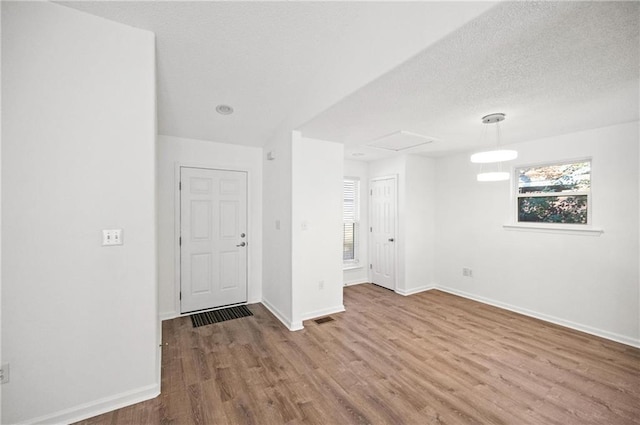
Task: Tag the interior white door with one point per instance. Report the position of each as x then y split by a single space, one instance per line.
383 229
213 238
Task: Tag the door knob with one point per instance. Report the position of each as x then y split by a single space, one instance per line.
390 239
242 244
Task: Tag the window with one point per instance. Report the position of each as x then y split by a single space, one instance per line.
351 221
554 193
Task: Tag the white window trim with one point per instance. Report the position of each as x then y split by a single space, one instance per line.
559 228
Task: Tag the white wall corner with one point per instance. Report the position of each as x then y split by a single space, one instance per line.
168 315
324 312
287 322
254 300
296 326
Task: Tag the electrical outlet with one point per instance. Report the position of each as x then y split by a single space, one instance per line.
4 373
321 284
466 271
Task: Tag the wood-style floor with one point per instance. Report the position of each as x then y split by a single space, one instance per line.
430 358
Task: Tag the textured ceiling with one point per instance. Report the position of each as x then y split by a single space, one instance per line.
276 63
552 67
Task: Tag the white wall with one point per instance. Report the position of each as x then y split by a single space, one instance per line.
325 89
419 224
587 282
173 152
79 321
276 255
317 228
360 274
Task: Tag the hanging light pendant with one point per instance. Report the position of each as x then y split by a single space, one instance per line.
496 155
488 157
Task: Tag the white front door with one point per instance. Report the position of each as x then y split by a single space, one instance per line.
383 232
213 238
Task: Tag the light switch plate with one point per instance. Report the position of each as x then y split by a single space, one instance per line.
111 237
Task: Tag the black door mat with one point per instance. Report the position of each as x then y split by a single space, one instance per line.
217 316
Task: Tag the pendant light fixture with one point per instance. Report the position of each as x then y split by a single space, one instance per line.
494 156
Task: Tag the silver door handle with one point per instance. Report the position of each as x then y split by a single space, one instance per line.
391 239
242 244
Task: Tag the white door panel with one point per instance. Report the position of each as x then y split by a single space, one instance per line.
383 227
213 227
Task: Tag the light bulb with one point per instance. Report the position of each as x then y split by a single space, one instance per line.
493 156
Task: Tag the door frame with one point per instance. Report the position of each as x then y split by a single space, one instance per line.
177 278
395 230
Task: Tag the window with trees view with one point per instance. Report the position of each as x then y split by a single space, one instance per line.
554 193
351 221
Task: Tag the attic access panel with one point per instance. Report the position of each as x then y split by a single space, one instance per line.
400 140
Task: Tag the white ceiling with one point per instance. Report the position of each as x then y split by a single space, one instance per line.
275 63
551 67
353 72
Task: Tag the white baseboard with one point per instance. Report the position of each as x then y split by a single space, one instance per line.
98 407
292 326
355 282
323 312
547 318
168 315
411 291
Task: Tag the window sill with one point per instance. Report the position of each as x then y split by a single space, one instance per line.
351 267
566 229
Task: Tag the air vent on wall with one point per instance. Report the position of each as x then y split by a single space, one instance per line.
400 140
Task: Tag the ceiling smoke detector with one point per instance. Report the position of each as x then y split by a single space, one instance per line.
224 109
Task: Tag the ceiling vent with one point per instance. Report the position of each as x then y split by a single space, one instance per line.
400 141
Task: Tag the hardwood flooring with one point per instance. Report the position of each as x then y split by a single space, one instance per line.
430 358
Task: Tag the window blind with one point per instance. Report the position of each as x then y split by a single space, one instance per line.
351 218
